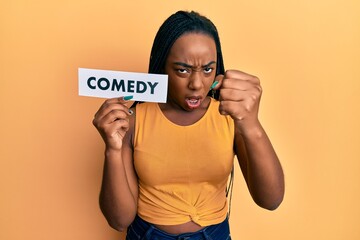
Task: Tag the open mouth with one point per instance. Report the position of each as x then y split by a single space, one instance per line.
193 102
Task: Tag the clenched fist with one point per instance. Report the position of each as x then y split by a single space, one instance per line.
240 95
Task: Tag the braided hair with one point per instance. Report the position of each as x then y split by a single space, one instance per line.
175 26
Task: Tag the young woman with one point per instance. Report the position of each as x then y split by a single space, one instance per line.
167 165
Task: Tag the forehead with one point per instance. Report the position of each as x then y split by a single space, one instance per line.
193 44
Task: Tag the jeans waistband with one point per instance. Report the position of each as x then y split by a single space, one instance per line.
141 229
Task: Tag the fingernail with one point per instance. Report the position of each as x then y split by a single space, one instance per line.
127 97
131 112
214 85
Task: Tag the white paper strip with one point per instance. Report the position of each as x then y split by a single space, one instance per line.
110 84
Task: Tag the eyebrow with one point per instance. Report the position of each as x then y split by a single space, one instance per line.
190 66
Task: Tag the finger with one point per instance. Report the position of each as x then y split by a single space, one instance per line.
112 112
128 103
119 127
239 84
231 108
239 90
111 104
225 107
217 83
241 75
239 109
113 116
229 94
101 121
122 100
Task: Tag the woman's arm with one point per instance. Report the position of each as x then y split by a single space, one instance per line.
240 95
260 166
119 189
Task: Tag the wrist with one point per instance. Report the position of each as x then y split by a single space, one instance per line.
112 152
249 129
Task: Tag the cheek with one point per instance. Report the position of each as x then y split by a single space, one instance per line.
211 78
176 83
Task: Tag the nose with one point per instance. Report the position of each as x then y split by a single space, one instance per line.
196 81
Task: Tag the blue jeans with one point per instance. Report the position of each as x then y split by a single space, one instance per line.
142 230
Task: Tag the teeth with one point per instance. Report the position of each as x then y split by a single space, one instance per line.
193 102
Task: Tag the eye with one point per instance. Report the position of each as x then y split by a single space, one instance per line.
182 70
208 70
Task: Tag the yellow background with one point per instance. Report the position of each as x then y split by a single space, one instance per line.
306 53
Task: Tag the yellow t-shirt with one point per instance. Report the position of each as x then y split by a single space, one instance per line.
182 170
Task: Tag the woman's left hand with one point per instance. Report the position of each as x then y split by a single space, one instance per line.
240 95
